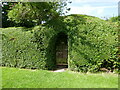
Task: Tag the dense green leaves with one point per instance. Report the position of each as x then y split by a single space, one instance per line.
93 41
18 50
115 19
35 13
6 6
92 44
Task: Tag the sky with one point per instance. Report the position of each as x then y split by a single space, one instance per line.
98 8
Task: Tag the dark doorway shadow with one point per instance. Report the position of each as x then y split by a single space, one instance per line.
61 51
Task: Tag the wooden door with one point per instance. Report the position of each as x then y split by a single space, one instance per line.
62 51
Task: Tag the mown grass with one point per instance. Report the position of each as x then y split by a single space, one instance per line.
22 78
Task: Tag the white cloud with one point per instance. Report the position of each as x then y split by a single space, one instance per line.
87 9
81 10
100 11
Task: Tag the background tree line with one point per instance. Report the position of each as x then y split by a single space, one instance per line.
29 14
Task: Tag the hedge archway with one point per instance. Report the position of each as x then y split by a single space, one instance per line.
88 42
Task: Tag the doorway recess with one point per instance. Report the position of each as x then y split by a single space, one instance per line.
62 51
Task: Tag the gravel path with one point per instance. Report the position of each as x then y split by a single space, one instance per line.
60 70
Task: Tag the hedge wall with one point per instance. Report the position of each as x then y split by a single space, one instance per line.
92 44
18 50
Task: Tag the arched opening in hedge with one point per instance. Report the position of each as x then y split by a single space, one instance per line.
61 50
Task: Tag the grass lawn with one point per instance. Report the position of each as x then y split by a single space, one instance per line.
22 78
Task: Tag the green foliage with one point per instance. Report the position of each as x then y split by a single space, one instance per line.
34 13
18 50
5 7
115 19
92 44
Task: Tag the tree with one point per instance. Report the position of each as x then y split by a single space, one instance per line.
115 19
6 6
34 13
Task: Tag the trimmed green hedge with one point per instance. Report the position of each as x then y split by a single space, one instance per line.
18 50
92 44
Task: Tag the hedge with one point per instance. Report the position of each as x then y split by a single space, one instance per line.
92 44
18 50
